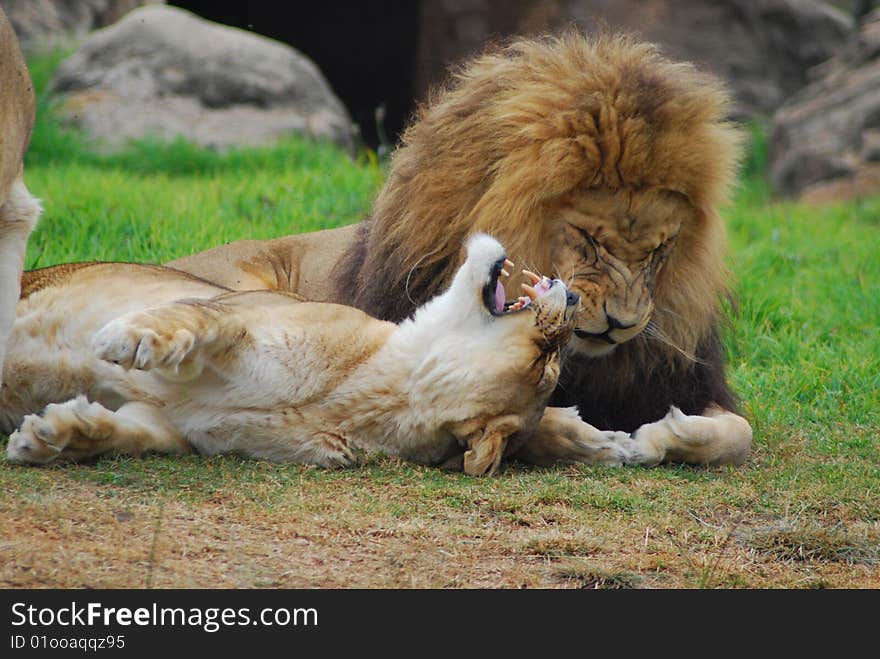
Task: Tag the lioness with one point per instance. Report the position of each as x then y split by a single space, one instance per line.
171 362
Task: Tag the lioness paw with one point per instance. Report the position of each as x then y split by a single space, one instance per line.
32 443
41 439
334 452
131 346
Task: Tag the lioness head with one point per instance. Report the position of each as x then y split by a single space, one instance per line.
545 312
501 357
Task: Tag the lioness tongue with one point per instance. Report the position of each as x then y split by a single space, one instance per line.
499 298
543 286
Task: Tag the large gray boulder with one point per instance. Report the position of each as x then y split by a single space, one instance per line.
763 48
44 24
825 141
165 72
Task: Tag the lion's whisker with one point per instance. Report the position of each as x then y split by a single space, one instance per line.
669 312
652 331
409 275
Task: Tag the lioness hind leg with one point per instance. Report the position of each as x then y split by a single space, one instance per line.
77 430
18 217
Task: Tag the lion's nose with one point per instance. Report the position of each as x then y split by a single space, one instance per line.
572 299
614 324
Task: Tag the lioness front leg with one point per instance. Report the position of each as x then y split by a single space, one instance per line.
486 442
77 430
172 339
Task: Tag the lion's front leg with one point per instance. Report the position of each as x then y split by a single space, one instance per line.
717 437
78 430
562 436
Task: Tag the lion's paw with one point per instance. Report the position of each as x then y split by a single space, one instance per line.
719 439
132 345
695 429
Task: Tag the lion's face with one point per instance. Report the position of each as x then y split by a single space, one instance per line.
611 246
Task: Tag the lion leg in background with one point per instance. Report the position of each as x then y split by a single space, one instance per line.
18 209
716 438
19 213
299 264
78 430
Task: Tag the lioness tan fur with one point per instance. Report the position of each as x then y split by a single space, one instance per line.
19 211
595 159
130 358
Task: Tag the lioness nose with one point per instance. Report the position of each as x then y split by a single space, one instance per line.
572 299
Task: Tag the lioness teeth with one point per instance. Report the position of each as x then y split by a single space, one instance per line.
504 272
531 292
508 263
520 303
532 276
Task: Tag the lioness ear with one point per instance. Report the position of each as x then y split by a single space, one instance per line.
485 453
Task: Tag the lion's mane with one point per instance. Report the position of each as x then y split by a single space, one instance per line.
516 129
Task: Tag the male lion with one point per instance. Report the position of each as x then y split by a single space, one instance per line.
170 362
597 160
19 211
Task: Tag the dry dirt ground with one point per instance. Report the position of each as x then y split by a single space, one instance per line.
72 528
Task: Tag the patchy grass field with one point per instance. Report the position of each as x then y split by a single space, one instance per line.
804 511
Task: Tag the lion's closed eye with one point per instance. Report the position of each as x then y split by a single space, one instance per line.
588 245
662 252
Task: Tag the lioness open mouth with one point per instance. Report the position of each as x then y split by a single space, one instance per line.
494 296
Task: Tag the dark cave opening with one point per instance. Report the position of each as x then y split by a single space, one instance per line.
366 50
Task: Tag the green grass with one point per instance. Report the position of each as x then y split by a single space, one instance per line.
804 355
157 201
